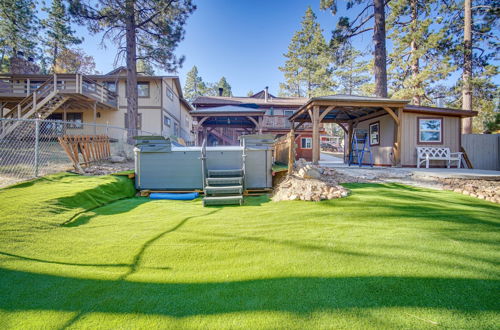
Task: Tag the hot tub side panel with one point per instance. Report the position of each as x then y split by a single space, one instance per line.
176 170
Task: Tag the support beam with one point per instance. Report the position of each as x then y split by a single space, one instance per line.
94 113
393 115
261 123
315 139
327 111
297 127
350 129
397 138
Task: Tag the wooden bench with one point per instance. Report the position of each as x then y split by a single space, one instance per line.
426 154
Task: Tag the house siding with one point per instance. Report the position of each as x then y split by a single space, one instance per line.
409 139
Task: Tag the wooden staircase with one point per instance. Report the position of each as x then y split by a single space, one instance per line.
39 104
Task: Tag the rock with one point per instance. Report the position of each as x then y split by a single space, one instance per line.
117 159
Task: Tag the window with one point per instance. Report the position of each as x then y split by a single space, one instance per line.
430 130
176 129
170 94
374 133
139 120
306 143
110 85
143 89
288 113
76 118
167 121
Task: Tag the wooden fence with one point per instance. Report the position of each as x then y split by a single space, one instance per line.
483 150
91 147
281 149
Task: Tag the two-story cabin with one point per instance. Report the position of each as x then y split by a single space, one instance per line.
97 99
221 120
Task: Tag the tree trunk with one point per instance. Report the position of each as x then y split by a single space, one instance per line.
131 59
380 55
415 65
467 73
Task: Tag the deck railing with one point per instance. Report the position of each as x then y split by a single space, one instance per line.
64 83
281 122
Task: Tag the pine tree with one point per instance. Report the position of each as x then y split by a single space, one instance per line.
351 71
226 88
194 85
154 26
348 28
307 69
416 59
472 43
145 67
59 35
18 30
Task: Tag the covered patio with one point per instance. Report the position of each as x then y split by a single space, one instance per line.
227 122
347 111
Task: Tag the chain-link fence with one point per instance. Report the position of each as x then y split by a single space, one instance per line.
29 147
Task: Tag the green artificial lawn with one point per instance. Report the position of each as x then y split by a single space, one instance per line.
387 256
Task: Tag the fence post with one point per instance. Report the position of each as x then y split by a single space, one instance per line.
37 146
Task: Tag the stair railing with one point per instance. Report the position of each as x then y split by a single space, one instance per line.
30 101
243 161
203 162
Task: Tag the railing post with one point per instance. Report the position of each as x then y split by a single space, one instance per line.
18 111
34 99
28 86
55 82
37 145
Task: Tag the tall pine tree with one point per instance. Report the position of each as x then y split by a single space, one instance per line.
473 44
416 60
307 69
347 28
154 26
59 36
351 70
18 30
194 85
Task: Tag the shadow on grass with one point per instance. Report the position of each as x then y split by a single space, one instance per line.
23 291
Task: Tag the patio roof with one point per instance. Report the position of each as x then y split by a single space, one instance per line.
344 108
229 110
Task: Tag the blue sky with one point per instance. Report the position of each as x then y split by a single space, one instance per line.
241 40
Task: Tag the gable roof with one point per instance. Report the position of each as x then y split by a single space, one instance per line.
262 95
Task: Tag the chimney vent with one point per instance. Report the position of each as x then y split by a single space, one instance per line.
266 93
221 90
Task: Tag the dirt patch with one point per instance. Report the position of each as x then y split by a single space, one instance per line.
104 168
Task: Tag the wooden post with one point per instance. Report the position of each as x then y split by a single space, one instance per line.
397 136
55 82
28 86
350 129
315 139
291 150
261 119
95 117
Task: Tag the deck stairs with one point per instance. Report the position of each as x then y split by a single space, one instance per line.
42 102
360 146
223 187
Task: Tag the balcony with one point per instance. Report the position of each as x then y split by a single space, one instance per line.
281 123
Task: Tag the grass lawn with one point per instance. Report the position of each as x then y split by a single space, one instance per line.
388 256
